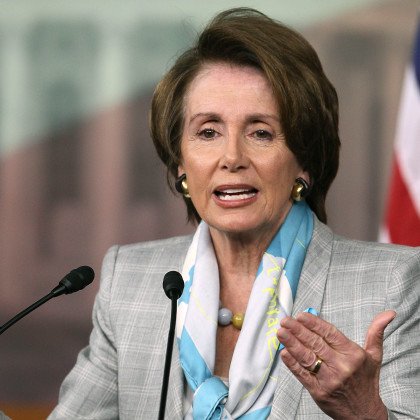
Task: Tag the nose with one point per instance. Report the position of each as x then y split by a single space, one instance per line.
234 156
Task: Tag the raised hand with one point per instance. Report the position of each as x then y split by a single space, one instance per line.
341 376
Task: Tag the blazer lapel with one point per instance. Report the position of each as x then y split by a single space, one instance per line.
310 293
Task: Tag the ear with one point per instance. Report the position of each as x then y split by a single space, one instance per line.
305 175
181 169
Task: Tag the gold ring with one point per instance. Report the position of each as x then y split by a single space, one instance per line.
315 368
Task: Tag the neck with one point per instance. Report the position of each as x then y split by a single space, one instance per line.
239 255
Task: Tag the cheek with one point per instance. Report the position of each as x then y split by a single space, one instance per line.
279 172
199 165
197 178
280 179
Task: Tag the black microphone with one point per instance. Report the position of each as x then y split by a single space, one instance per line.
173 285
76 280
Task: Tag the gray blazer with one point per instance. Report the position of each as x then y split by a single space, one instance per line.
119 374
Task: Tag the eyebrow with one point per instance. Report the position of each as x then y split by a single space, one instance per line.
212 116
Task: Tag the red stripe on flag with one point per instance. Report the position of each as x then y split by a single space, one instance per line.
401 219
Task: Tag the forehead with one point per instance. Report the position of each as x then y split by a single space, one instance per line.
223 84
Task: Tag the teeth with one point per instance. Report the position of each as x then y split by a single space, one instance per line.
233 191
228 197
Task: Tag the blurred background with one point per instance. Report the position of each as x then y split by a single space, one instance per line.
78 170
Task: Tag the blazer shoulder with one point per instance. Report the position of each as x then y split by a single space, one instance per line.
169 247
362 255
342 245
126 264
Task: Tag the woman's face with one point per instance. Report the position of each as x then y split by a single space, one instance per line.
239 170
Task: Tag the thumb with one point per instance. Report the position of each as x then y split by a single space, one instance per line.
375 334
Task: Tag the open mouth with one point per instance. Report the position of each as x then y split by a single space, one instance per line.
232 194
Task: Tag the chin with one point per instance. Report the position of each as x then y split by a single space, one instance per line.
238 225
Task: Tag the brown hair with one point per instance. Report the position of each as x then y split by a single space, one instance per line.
307 100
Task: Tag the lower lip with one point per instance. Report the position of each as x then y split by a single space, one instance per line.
235 202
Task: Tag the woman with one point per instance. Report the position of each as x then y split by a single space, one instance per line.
247 124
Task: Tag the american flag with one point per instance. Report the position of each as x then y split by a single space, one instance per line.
402 217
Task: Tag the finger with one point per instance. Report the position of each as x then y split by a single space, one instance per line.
375 334
309 339
302 354
302 374
331 335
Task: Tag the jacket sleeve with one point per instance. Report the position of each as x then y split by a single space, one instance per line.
90 390
400 373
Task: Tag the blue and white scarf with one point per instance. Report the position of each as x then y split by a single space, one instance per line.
255 364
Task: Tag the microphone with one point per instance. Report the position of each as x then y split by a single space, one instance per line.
173 285
74 281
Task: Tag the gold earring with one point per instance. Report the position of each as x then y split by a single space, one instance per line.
181 186
300 189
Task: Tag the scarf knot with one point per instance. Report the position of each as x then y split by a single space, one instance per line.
209 399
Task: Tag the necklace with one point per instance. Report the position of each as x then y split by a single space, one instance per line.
226 317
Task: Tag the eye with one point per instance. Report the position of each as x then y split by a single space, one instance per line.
263 135
207 133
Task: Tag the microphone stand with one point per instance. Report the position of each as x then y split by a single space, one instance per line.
74 281
173 285
168 358
26 311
